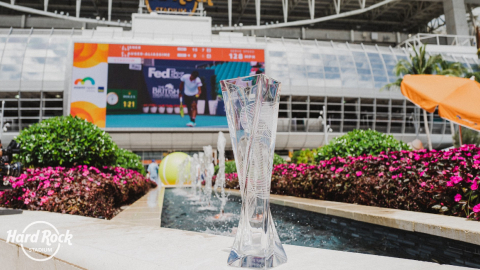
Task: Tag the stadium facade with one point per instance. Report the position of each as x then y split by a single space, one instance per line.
344 78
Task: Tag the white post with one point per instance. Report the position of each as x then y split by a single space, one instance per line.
79 3
285 9
140 6
337 4
427 130
230 13
110 10
325 126
452 130
12 2
311 8
257 11
1 119
45 5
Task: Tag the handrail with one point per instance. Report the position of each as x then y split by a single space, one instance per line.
451 40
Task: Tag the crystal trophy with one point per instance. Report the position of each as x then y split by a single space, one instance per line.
251 105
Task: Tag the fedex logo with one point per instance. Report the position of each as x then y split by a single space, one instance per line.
169 73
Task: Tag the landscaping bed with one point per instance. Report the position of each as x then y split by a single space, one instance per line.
80 190
443 182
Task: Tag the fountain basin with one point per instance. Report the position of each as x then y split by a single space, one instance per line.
339 226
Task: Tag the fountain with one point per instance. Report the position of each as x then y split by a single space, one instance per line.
208 171
194 177
251 105
183 173
220 181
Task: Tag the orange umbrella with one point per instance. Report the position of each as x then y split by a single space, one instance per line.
457 99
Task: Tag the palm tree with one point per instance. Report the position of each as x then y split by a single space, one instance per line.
420 63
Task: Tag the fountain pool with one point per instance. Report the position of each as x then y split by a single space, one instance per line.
294 226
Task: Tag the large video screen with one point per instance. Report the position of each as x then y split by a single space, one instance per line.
145 86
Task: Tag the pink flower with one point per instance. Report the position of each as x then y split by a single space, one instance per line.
474 185
33 194
359 173
50 192
380 174
332 168
27 201
423 184
458 197
57 184
43 200
476 208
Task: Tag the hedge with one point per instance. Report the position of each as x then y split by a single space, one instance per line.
81 190
426 181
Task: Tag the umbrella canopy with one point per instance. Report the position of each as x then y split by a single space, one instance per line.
457 99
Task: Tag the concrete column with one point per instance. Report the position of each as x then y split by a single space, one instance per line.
455 17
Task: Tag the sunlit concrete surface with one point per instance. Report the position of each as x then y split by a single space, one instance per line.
101 244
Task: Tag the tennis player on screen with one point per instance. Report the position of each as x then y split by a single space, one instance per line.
190 87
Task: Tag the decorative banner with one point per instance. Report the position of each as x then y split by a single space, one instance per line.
89 81
177 6
138 86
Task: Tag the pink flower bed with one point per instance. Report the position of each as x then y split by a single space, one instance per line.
427 181
81 190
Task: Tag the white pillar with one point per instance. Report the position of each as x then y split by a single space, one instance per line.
311 8
229 12
79 3
455 17
257 11
45 5
427 130
285 9
110 10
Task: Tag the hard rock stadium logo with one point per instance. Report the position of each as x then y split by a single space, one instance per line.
177 6
84 80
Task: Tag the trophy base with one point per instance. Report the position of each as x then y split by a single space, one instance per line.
254 261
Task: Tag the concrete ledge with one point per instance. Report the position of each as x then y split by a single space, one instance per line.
101 244
456 228
145 211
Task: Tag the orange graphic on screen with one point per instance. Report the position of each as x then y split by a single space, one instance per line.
89 111
86 55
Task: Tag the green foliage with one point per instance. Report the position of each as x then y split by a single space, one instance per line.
278 160
360 142
304 156
421 63
476 75
129 160
66 141
230 167
468 137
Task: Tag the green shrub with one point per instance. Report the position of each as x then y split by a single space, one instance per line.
231 167
360 142
66 141
278 160
129 160
304 156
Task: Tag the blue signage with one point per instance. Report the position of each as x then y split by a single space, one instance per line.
177 6
163 83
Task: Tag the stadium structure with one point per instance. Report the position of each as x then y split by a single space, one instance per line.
330 55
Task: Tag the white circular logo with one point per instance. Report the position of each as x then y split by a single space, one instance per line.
49 239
